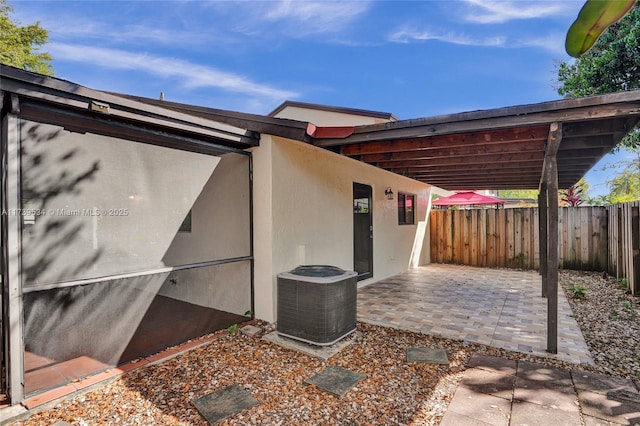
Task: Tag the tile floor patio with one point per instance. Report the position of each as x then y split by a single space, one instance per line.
495 307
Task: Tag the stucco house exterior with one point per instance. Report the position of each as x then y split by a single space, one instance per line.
305 208
130 224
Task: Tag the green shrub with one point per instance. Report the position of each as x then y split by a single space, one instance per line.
578 291
628 305
623 283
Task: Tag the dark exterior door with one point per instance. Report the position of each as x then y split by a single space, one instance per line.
362 231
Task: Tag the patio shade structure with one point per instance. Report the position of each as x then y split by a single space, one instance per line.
543 146
547 146
467 198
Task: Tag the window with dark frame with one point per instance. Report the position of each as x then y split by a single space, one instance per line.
405 208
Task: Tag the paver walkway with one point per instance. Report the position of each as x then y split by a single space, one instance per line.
497 391
496 307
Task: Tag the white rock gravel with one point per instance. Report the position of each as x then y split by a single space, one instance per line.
394 392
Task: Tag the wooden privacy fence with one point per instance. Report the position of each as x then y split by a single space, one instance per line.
589 238
624 243
509 237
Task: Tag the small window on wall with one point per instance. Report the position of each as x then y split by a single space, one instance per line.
406 202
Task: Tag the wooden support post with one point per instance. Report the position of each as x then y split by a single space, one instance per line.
552 260
542 229
550 174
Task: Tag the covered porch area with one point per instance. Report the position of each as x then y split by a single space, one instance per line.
494 307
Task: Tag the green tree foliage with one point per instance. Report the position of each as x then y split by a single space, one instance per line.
520 197
519 193
612 65
625 186
20 45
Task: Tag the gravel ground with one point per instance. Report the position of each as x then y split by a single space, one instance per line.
609 320
394 392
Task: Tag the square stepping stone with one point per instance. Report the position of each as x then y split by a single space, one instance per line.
251 330
223 403
335 380
427 355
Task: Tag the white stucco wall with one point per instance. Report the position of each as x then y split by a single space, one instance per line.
303 214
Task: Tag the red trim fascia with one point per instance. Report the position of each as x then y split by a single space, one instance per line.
329 132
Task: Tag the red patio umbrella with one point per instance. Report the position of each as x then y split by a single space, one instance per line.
467 198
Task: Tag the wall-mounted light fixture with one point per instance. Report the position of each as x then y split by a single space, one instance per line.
389 193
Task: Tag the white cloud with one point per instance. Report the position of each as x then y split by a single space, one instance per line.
64 28
408 35
320 16
496 12
296 18
195 23
191 75
552 42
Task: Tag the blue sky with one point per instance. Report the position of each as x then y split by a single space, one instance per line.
410 58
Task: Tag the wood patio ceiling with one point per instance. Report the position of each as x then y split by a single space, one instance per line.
501 148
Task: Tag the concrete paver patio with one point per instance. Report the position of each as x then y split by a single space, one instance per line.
500 391
496 307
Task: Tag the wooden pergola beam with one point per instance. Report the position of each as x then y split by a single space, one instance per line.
471 183
617 127
478 159
497 137
502 118
510 173
428 166
457 169
485 185
533 147
587 142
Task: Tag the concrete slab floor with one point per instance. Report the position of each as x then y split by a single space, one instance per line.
322 352
496 307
